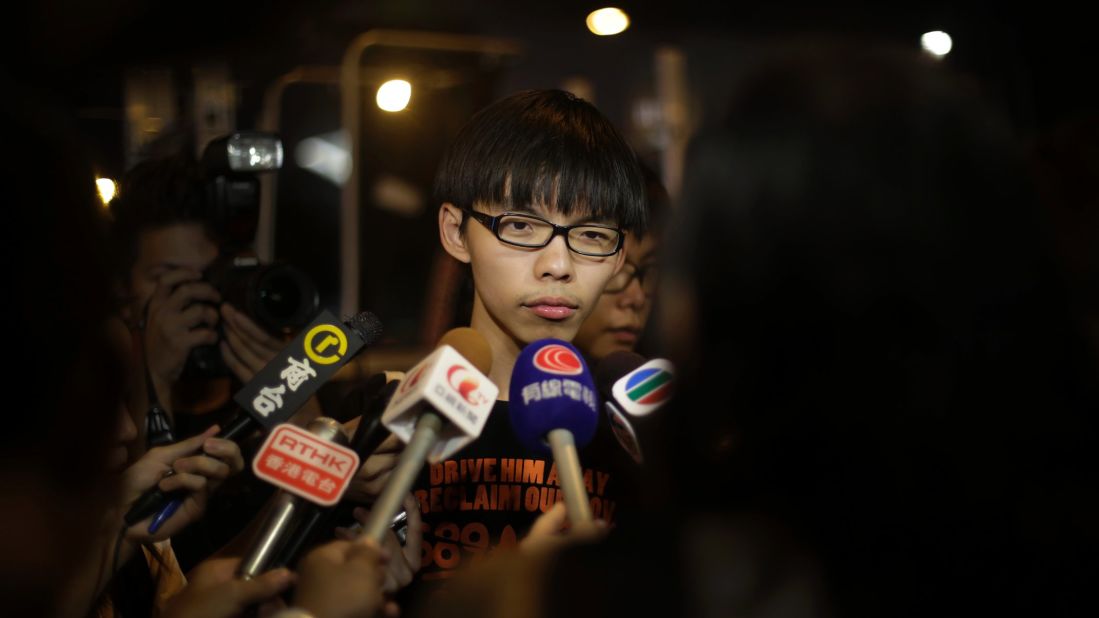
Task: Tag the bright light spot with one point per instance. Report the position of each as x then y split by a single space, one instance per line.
326 155
107 189
254 153
608 21
937 43
393 95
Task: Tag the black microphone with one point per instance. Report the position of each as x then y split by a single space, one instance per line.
274 394
370 433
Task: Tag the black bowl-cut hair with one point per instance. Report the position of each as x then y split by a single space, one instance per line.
544 147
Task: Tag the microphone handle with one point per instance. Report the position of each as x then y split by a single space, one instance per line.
428 427
312 516
274 529
571 476
241 425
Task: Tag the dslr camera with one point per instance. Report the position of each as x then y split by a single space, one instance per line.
279 297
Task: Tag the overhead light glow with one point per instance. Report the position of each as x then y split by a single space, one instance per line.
608 21
393 96
937 43
107 189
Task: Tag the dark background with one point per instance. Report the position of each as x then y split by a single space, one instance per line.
1036 61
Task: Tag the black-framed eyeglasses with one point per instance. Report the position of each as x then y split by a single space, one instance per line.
533 232
648 276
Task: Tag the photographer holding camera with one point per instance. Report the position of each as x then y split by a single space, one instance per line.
205 317
166 240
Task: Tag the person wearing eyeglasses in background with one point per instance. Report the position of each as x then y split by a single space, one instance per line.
618 322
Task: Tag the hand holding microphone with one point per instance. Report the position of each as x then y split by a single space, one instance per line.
196 474
343 579
375 471
212 591
337 580
551 532
406 554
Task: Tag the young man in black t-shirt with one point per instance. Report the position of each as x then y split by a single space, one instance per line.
537 194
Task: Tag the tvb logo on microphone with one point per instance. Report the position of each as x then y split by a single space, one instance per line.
645 389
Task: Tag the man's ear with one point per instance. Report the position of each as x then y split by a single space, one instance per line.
450 232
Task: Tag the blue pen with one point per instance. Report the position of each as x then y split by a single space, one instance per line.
163 515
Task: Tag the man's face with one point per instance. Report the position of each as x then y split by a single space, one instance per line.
159 250
618 318
531 294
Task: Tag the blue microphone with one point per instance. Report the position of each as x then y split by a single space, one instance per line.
554 408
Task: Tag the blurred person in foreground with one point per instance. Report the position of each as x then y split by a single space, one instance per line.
61 412
883 408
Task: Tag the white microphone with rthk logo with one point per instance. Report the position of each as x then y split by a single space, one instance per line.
312 466
441 406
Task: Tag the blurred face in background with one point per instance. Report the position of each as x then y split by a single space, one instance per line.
623 309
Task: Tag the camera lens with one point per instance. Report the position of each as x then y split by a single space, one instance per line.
284 297
280 297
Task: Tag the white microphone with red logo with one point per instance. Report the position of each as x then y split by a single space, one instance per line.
310 465
441 406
